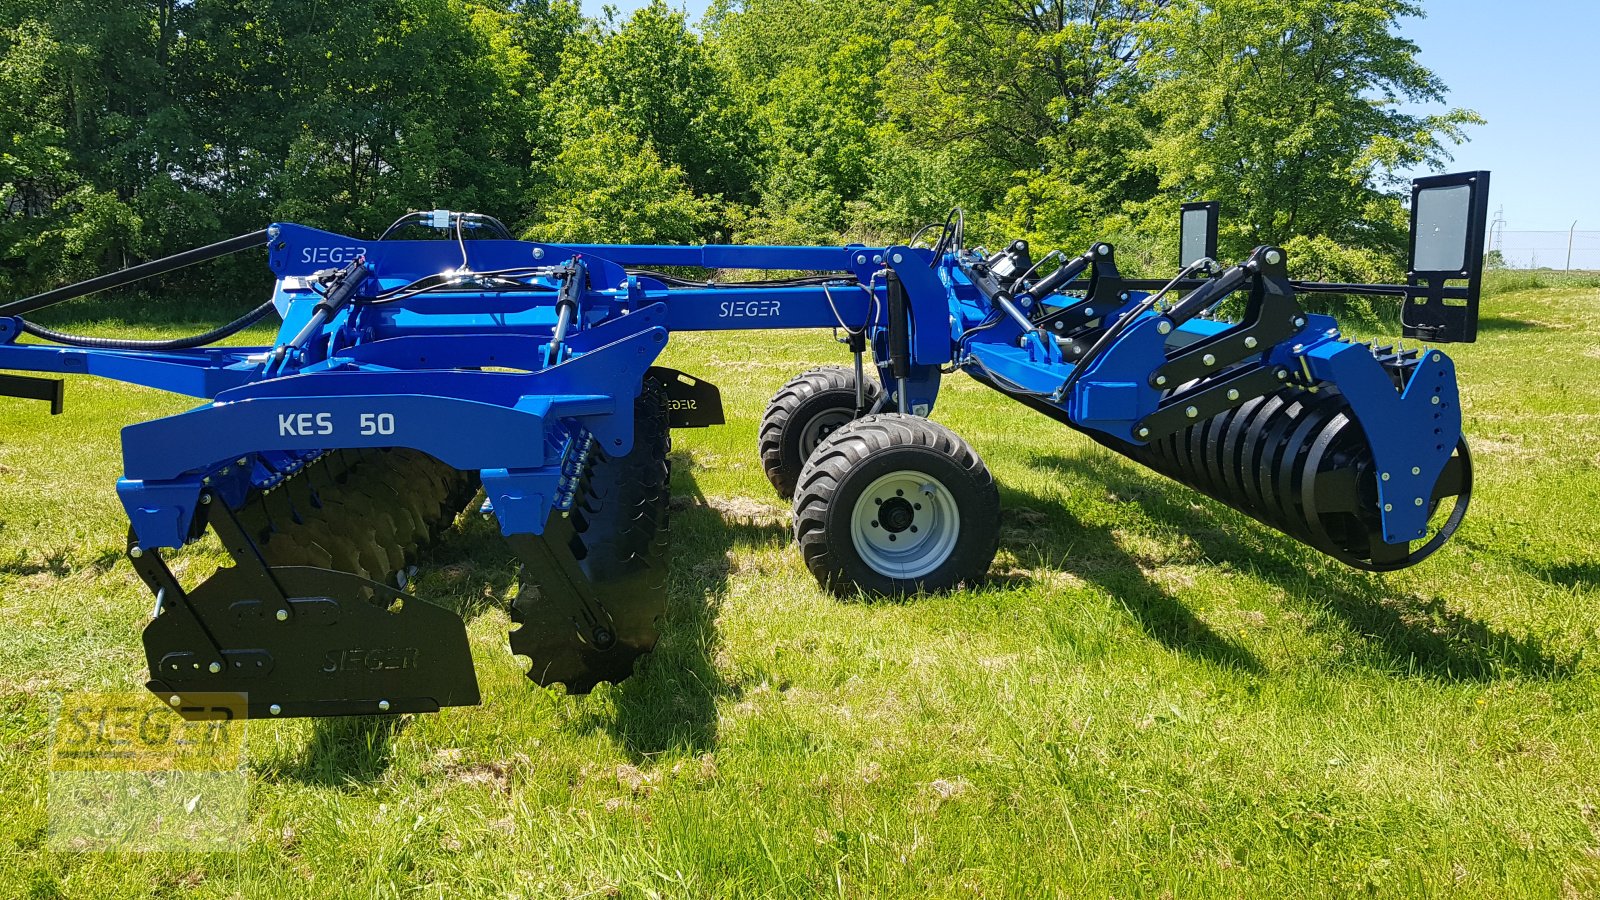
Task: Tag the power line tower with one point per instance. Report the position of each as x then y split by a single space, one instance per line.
1498 229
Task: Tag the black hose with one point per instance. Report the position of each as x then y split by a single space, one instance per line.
186 343
470 220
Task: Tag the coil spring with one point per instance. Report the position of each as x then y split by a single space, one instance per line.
573 469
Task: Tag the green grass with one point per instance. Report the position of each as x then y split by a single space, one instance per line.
1506 281
1153 697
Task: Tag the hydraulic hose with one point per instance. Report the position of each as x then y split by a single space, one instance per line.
185 343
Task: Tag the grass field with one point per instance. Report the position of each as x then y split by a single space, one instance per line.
1152 697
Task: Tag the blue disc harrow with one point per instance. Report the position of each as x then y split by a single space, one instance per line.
447 361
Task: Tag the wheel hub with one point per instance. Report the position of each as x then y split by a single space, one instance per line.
905 524
820 426
896 515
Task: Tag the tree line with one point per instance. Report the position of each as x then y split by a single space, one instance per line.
138 128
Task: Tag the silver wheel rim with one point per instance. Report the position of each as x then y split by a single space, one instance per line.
820 426
905 524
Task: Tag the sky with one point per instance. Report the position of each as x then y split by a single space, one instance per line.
1528 68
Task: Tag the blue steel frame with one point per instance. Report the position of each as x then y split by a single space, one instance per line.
468 376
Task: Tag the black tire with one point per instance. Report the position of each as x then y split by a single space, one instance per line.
884 450
801 415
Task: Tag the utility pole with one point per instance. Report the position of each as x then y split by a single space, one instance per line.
1497 236
1570 232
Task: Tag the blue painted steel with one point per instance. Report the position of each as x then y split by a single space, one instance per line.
462 373
1412 432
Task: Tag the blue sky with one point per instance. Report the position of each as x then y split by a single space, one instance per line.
1529 69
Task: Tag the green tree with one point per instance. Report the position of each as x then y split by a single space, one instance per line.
1288 112
616 189
664 86
811 70
1030 106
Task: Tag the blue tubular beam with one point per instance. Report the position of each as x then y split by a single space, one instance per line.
733 308
729 256
190 373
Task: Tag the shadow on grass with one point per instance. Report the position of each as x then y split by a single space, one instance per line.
1503 325
1419 634
22 563
347 750
1567 573
670 703
1060 540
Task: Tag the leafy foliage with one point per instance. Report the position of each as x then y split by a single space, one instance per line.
141 128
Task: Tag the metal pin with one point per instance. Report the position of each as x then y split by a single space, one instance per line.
174 700
1250 342
1209 360
1419 501
275 709
1163 327
1233 394
1191 412
1416 470
1386 476
383 705
283 615
1144 432
215 667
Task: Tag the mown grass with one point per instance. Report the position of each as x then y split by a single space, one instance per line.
1152 696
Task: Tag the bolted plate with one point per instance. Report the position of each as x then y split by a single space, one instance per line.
343 645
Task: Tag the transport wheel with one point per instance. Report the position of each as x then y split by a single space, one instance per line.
895 504
802 415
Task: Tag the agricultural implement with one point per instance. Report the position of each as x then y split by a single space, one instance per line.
446 361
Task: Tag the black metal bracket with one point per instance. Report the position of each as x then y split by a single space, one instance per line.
1211 398
1272 316
24 387
1106 293
691 402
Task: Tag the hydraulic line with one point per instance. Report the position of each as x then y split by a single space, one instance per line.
1117 328
185 343
135 273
